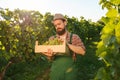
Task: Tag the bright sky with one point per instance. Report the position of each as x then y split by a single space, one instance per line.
89 9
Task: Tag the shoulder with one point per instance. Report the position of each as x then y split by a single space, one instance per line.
75 36
76 40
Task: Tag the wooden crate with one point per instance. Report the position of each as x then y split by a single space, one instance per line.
55 48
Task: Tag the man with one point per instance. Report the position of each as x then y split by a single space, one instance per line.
63 66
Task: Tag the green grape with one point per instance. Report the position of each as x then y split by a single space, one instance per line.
55 41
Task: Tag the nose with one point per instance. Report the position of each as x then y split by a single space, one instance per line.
57 26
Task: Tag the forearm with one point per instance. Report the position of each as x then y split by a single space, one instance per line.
77 49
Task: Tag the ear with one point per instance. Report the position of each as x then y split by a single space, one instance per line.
65 22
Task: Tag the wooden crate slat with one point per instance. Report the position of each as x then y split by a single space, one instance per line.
55 48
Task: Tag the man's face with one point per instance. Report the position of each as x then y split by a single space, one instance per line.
60 26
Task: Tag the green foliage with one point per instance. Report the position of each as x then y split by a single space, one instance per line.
109 46
88 64
19 29
87 30
102 75
30 70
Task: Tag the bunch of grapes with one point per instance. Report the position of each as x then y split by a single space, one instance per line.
55 41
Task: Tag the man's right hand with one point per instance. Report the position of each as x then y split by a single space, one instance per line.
49 53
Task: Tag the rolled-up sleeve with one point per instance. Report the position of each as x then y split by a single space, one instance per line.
77 41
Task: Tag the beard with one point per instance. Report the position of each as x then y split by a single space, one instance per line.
60 32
